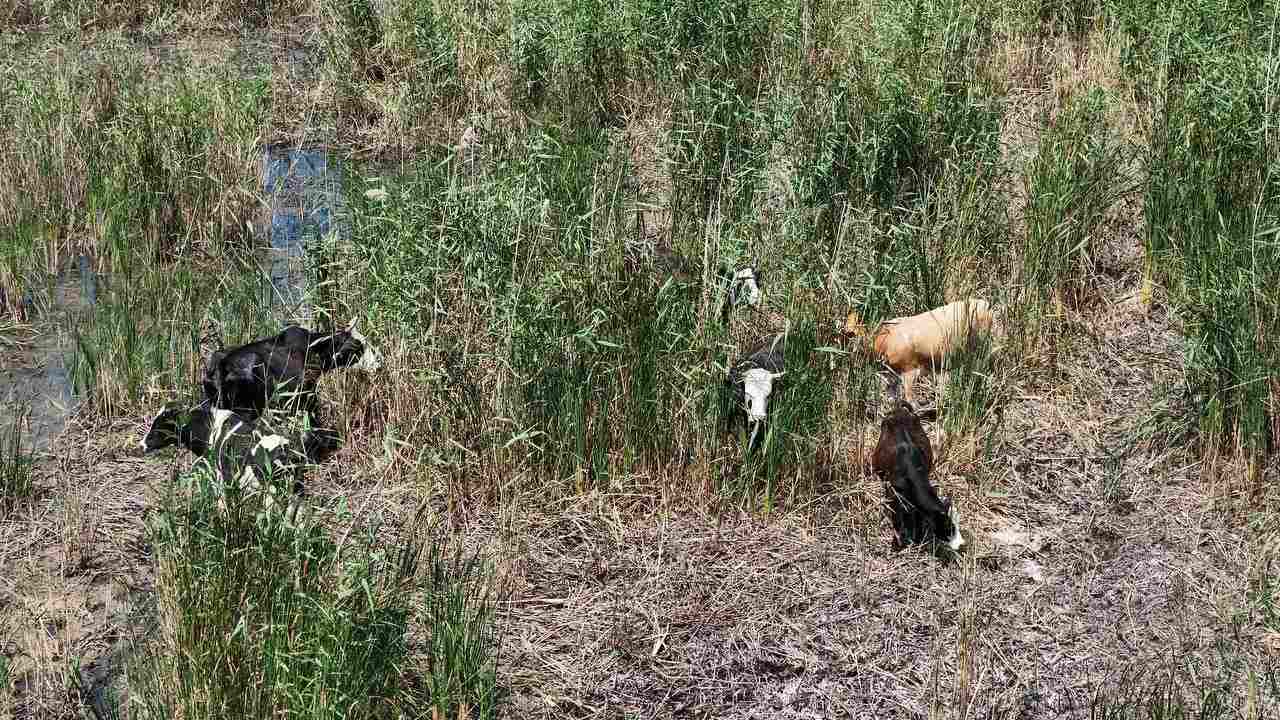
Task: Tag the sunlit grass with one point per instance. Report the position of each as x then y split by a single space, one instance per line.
16 462
258 616
855 154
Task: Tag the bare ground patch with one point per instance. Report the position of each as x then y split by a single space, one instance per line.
74 566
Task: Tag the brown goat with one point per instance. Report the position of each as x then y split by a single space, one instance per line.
921 343
901 418
903 458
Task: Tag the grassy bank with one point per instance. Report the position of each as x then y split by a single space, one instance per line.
870 180
1086 168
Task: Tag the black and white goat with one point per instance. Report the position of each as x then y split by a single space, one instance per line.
238 449
739 288
742 288
750 383
245 378
903 457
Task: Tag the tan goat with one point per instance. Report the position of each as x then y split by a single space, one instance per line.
920 343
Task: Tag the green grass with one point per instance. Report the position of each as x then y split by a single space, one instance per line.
1079 172
157 184
141 340
16 463
893 176
854 152
972 395
151 17
1077 175
6 682
602 376
259 617
1212 206
141 175
458 606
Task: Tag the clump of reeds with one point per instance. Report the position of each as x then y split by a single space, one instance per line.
16 463
259 615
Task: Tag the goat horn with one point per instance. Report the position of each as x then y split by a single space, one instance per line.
351 326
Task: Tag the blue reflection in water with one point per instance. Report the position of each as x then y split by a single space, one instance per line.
35 379
304 190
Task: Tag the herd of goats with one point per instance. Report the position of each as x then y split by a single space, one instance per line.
227 427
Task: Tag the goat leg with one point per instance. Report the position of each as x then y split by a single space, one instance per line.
909 385
755 431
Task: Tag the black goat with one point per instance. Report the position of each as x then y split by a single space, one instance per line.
245 378
750 383
904 458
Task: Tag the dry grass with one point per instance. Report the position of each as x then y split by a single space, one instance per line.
74 567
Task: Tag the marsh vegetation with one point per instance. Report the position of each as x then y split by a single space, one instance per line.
535 510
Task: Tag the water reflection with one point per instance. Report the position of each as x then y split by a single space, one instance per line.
304 187
35 381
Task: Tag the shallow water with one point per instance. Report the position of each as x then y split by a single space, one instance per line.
35 385
304 185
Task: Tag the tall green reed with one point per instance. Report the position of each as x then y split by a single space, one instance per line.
17 464
260 616
1077 175
1212 201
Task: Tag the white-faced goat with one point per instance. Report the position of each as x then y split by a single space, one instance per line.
237 449
750 383
243 379
903 458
